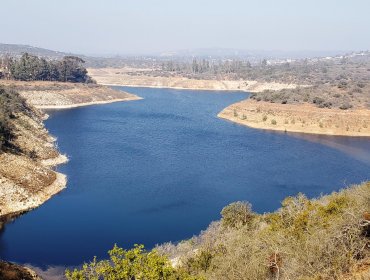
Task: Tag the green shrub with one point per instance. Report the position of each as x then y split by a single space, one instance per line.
237 214
136 263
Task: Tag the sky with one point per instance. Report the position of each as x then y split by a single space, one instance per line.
154 26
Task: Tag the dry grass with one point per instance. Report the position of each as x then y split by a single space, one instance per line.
303 118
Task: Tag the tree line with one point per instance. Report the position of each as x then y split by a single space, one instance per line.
207 66
33 68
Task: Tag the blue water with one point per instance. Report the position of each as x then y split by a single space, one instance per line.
161 169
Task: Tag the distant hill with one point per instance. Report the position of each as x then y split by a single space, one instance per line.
251 55
146 61
18 50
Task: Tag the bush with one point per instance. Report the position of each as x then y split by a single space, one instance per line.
345 106
318 100
237 214
136 263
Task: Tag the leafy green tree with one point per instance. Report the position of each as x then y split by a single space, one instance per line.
71 70
33 68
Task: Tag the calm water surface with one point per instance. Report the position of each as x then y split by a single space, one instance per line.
161 169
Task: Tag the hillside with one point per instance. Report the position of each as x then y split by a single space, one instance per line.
17 50
324 238
27 155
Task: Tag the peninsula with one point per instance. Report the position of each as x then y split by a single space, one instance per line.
328 95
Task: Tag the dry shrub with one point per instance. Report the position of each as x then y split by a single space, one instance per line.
305 239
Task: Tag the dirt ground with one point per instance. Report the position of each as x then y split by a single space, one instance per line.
304 118
114 76
53 95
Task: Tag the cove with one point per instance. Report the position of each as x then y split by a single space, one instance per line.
161 169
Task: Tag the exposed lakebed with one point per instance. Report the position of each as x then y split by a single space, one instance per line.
161 169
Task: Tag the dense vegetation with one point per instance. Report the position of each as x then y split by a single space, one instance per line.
32 68
11 103
325 238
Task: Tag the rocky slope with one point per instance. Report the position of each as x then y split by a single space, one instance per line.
10 271
27 178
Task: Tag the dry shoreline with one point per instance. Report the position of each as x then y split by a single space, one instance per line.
56 95
16 197
169 87
120 77
300 118
60 107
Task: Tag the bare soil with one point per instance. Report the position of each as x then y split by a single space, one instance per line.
303 118
125 76
55 95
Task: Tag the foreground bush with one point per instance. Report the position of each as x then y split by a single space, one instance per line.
136 263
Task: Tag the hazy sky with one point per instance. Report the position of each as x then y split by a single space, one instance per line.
145 26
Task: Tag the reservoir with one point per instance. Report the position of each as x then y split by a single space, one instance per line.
161 169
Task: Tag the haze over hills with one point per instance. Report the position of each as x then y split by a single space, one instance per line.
17 50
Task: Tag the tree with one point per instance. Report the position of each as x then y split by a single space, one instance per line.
195 66
71 70
237 214
33 68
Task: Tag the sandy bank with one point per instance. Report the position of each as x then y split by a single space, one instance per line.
56 107
302 118
120 77
53 95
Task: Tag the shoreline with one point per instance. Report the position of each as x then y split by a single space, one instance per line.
47 95
36 200
298 118
283 130
177 88
84 104
119 77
